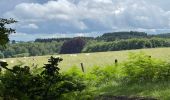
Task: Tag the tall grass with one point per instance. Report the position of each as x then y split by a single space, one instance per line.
140 75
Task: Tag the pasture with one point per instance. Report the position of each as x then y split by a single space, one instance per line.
106 79
89 59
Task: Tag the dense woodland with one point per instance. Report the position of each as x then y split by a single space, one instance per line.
107 42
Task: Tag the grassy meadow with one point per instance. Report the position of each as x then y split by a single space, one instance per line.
104 78
90 59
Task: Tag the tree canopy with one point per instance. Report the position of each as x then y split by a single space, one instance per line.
5 31
73 46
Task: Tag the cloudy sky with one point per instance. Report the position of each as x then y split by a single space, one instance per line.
68 18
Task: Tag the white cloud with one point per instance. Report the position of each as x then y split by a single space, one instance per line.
30 26
79 34
18 34
78 16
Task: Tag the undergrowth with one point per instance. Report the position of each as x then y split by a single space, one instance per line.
139 75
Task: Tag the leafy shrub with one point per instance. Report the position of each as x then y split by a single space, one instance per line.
142 68
78 76
20 83
102 75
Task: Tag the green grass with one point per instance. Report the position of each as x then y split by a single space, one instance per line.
160 90
91 59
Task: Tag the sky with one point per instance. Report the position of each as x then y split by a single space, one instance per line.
70 18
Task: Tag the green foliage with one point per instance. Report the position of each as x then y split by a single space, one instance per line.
31 49
116 41
163 35
20 83
79 80
128 78
4 31
96 78
142 68
132 78
127 44
112 36
121 35
62 39
103 75
21 55
74 45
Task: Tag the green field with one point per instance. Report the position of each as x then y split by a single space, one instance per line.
90 59
105 78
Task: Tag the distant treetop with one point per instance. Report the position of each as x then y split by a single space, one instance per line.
121 35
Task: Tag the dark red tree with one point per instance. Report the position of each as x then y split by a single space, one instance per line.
74 45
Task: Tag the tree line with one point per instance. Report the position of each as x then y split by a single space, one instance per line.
107 42
121 35
78 45
30 49
127 44
62 39
112 36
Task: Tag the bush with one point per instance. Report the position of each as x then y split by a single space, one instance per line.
103 75
142 68
20 83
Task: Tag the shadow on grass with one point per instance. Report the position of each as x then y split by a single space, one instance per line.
159 90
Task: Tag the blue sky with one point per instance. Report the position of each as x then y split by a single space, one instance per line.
69 18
